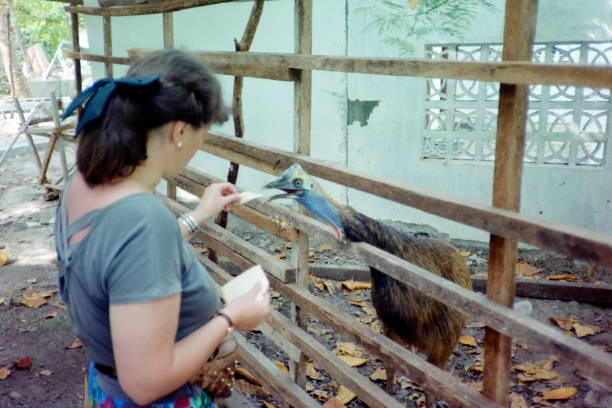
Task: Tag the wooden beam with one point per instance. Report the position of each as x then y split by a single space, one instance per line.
526 73
519 30
168 28
302 90
220 66
142 9
302 107
108 45
76 46
570 241
70 53
531 288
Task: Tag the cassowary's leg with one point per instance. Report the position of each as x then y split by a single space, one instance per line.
390 333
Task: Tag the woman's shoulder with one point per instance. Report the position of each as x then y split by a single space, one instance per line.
138 209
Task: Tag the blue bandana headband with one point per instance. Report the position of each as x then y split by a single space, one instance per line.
96 98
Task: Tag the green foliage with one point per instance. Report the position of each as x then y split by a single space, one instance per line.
399 24
42 21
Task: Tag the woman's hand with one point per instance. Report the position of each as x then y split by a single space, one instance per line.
250 309
215 198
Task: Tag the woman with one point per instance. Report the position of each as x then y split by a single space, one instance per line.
144 307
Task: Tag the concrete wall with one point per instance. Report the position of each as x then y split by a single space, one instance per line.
374 123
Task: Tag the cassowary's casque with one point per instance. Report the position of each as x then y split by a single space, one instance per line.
408 317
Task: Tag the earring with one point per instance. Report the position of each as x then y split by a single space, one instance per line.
179 145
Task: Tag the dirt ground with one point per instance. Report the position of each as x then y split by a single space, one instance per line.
54 377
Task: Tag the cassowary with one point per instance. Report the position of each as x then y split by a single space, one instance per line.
408 317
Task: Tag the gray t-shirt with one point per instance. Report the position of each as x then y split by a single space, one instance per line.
134 252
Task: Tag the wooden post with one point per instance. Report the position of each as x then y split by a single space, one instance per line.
76 47
168 30
519 27
302 116
108 45
243 45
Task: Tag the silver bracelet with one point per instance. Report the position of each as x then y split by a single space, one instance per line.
189 222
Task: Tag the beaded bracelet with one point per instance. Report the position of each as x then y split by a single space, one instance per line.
189 222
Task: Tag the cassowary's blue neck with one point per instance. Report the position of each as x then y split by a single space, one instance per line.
320 207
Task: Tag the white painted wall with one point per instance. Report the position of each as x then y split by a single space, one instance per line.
389 145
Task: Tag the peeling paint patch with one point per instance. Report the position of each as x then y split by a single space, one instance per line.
359 111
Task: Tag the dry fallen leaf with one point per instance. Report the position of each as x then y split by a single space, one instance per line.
46 372
356 285
242 372
369 310
33 302
320 394
281 256
565 324
324 247
2 300
524 269
560 393
279 248
468 341
75 344
476 325
3 259
345 395
354 361
586 329
281 367
379 375
564 276
348 348
24 362
333 403
4 373
517 401
316 282
247 388
357 302
465 253
312 372
289 245
329 286
50 315
309 387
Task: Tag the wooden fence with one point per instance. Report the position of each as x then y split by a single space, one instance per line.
506 225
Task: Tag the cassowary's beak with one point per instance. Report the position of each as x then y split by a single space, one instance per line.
281 183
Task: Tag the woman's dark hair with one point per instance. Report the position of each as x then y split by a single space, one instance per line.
114 145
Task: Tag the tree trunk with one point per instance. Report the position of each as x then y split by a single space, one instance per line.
12 69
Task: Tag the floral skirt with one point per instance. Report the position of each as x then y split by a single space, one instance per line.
95 397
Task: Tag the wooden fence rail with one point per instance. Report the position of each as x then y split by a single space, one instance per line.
507 72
